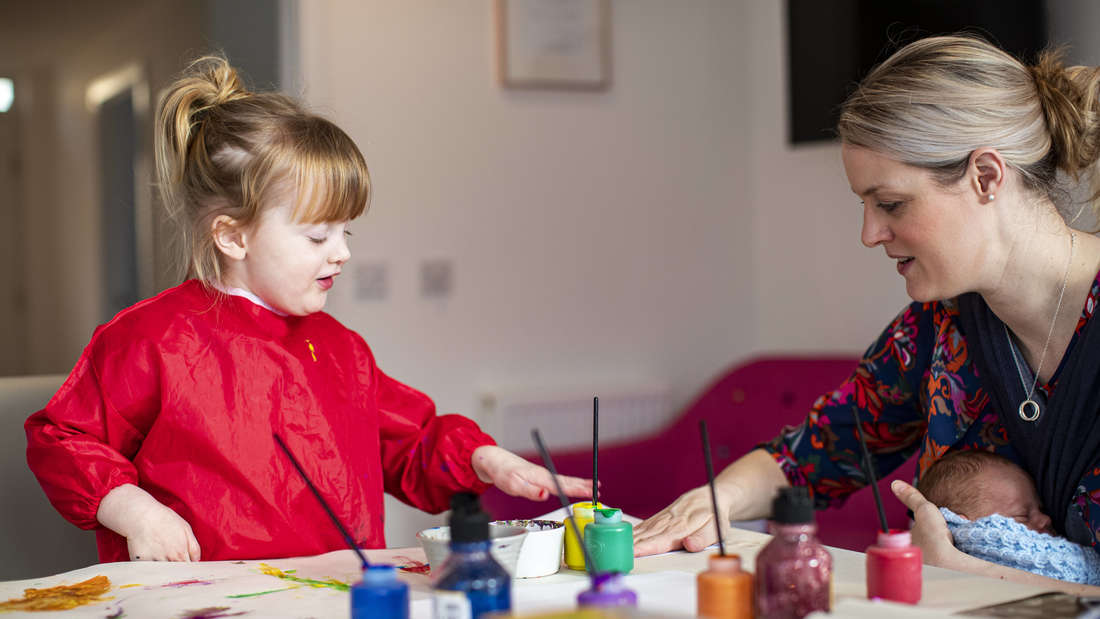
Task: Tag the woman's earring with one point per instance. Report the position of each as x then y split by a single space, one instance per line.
991 198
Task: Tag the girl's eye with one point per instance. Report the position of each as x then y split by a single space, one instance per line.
317 240
347 232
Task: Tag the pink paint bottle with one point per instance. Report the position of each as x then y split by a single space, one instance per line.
894 568
794 572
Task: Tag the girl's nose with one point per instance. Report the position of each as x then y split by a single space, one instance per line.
342 252
875 230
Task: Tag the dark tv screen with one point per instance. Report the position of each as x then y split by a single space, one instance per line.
832 44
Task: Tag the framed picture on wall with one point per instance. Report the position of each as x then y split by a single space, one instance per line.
554 43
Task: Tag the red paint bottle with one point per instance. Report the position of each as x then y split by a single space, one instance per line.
894 568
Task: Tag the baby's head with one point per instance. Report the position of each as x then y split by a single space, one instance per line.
976 483
262 189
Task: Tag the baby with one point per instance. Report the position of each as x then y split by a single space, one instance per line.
993 512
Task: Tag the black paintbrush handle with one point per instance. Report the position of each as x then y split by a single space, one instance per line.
331 514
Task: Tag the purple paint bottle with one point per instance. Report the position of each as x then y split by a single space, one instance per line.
794 572
607 590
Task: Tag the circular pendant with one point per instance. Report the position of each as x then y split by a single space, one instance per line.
1027 406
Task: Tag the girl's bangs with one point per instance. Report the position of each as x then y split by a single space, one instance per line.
332 180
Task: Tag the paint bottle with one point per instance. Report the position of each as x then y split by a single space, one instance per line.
608 590
894 568
582 513
794 572
610 541
380 594
724 590
470 582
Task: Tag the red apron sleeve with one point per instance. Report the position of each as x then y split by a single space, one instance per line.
81 445
426 457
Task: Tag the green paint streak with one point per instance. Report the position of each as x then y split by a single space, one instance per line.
289 575
252 595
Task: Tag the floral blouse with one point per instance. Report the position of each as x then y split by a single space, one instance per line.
916 390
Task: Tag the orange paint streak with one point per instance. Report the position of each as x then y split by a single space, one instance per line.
62 597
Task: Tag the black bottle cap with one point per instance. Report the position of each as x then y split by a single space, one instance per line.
468 522
793 506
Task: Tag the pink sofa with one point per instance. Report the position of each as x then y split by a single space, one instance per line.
746 405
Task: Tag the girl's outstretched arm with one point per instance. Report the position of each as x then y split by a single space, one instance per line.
152 530
518 477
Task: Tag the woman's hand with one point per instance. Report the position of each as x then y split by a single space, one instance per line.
153 531
688 523
929 530
518 477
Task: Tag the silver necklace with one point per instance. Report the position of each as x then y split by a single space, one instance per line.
1029 408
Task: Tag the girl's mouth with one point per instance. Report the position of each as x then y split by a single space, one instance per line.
325 282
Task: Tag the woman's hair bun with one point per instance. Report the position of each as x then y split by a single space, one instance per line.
1068 97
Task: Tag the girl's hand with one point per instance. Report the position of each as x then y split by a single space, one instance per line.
929 530
688 523
153 531
518 477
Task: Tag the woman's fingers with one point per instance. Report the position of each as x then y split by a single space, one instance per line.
910 496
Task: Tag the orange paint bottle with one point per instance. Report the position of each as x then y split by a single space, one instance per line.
724 591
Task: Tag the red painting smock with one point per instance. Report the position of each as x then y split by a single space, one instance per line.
180 394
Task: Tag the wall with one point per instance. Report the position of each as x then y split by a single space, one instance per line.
54 50
596 238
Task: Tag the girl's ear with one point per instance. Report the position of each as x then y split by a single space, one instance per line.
987 172
229 237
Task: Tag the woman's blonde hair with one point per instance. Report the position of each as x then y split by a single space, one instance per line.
222 150
938 99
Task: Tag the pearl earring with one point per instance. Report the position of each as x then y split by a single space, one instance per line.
992 197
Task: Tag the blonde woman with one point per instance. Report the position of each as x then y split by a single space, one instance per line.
955 149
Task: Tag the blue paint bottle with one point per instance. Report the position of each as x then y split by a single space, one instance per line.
479 584
380 594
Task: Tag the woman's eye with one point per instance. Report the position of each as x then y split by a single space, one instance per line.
889 207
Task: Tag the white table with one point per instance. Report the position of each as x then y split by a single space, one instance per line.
665 584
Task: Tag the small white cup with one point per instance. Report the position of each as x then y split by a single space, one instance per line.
541 552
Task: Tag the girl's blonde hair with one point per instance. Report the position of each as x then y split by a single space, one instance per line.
938 99
222 150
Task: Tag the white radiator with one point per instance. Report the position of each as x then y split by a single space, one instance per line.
565 420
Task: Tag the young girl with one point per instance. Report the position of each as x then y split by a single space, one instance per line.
162 439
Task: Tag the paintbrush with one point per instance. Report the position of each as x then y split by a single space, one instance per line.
870 471
589 566
595 452
710 480
331 514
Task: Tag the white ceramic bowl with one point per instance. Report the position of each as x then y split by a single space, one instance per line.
541 552
505 547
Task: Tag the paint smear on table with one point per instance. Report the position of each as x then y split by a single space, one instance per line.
259 593
289 575
187 583
413 566
62 597
213 612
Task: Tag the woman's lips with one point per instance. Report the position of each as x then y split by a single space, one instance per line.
904 264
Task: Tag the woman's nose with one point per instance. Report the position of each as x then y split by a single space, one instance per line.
875 230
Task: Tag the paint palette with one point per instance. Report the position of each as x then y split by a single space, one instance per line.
541 551
506 544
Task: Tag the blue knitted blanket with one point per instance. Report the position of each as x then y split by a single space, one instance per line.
1003 540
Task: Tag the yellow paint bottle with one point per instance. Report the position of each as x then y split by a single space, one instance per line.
582 512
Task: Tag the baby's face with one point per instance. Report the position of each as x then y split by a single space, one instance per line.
1008 491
